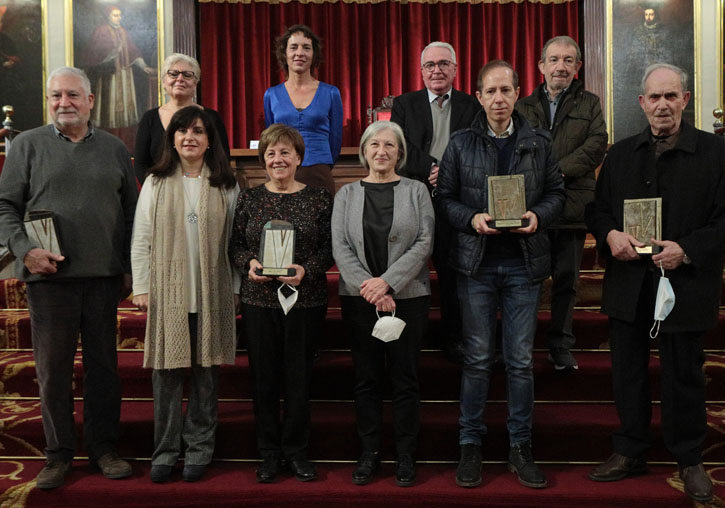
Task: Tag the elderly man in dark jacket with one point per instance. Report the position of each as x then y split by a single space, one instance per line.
686 168
496 267
574 118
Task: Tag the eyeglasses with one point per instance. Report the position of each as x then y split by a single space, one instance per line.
173 74
443 65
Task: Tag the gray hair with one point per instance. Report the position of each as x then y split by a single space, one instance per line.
180 57
438 44
372 130
660 65
70 71
561 39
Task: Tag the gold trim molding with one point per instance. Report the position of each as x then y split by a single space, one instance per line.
384 1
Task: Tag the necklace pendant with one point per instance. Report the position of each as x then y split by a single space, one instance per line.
192 218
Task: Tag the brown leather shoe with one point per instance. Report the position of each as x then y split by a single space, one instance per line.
698 485
53 474
112 466
618 467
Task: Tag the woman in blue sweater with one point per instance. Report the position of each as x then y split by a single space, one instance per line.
312 107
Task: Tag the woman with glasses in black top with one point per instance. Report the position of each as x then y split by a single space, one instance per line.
180 77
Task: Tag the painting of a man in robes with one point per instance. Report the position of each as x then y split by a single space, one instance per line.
647 32
120 62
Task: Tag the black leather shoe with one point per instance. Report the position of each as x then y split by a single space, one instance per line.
698 485
270 468
303 470
618 467
160 473
521 462
405 471
468 472
367 466
193 472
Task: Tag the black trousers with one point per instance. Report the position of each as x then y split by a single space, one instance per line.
376 360
567 247
59 312
280 358
450 326
683 386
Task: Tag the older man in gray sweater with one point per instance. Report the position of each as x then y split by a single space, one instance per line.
83 176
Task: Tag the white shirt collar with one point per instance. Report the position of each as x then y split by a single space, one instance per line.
505 134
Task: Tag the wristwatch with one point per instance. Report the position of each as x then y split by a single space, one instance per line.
686 259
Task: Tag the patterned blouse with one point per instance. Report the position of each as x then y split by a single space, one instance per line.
309 211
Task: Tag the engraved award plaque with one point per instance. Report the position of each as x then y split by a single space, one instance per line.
42 231
643 220
277 249
506 202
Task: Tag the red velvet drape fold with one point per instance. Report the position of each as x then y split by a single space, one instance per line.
370 50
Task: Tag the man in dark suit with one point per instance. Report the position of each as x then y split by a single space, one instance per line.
428 117
685 167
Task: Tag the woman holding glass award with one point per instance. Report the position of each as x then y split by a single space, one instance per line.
284 297
382 238
183 278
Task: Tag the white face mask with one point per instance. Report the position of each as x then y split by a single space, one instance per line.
664 303
388 328
287 302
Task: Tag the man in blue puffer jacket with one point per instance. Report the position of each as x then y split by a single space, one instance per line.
498 268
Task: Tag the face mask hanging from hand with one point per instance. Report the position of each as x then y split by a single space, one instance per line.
388 328
287 302
664 303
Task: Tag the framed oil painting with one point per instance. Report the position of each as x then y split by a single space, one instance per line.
120 46
640 33
22 74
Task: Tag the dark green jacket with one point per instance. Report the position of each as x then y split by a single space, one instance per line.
579 143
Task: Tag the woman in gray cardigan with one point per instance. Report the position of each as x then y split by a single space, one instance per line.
382 236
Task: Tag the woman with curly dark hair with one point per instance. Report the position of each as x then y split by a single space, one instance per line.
312 107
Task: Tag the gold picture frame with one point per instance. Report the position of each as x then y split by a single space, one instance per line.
23 39
121 48
721 54
679 30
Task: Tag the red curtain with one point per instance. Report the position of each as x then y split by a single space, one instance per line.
370 50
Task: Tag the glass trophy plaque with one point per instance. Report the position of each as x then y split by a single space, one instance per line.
277 249
643 220
506 202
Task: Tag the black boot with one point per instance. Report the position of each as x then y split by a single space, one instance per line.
521 462
468 473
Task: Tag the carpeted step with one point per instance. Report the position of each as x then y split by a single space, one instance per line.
562 432
230 485
333 377
590 329
589 293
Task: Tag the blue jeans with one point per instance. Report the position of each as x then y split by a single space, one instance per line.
481 295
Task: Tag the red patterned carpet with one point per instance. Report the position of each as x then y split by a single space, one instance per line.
234 485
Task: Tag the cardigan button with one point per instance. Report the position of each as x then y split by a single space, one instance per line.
393 238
